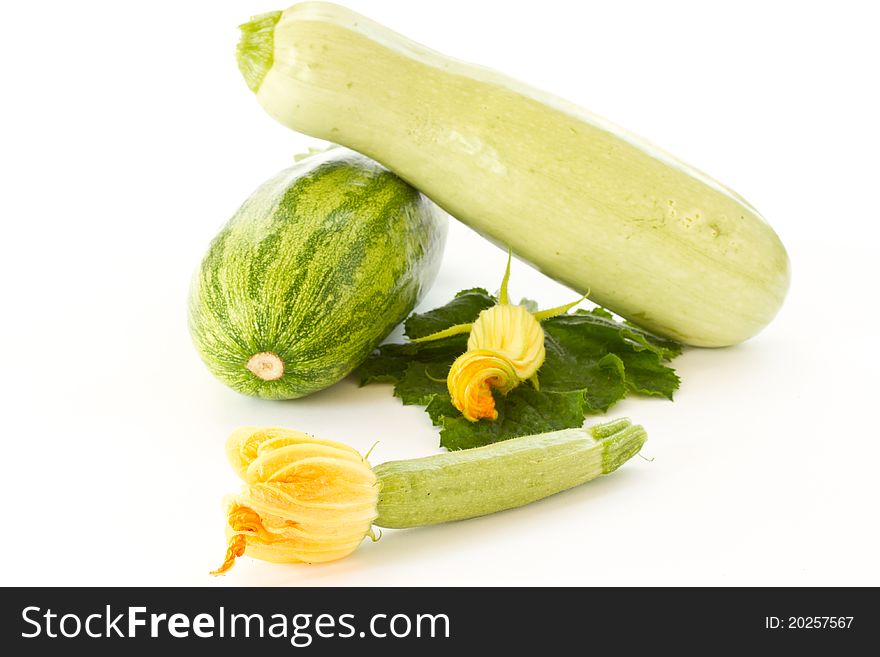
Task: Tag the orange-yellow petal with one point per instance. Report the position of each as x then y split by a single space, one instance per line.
472 378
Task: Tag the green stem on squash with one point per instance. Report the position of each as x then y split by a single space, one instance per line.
266 365
256 49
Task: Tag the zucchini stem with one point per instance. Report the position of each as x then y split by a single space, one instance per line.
266 365
256 49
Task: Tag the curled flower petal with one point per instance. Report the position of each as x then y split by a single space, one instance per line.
472 378
303 499
513 332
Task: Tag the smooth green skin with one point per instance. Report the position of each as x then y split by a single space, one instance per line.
598 209
475 482
317 267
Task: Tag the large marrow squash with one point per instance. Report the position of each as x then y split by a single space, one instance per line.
594 207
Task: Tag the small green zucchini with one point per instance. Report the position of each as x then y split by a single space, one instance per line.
504 475
312 500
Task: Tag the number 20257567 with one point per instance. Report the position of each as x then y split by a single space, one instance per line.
808 622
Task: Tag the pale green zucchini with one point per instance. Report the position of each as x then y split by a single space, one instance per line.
594 207
505 475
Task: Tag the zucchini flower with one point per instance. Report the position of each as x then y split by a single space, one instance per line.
472 378
303 499
513 332
505 348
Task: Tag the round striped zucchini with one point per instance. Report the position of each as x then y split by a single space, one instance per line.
311 273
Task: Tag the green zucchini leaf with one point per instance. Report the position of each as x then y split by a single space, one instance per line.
646 374
525 411
592 362
463 309
389 363
421 382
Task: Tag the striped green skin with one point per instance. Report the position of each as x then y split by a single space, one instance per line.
317 267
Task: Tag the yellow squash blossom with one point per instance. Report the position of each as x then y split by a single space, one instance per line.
505 348
304 499
513 332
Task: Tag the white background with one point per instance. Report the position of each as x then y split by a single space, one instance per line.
128 138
